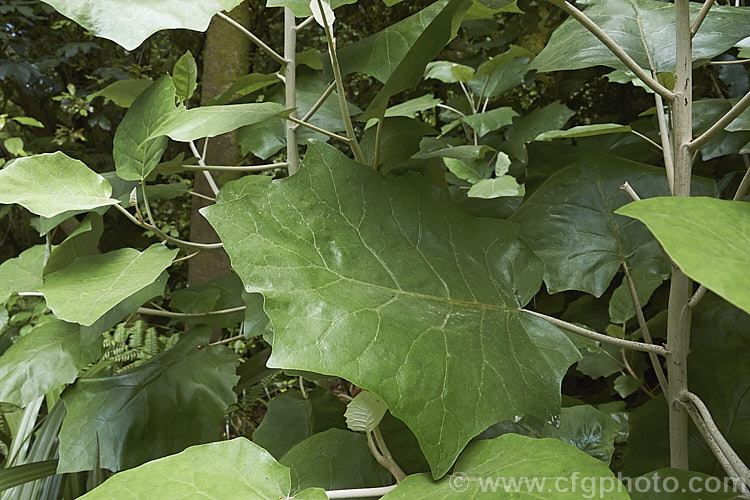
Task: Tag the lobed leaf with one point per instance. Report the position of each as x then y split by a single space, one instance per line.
373 286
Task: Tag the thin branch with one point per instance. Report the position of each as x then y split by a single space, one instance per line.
725 455
644 330
318 129
722 122
202 163
237 168
617 51
721 63
666 141
304 23
360 492
164 236
627 344
187 257
744 183
321 100
389 465
469 98
735 461
697 296
449 108
202 196
340 91
147 205
700 17
257 41
378 137
225 341
630 191
647 139
397 472
172 314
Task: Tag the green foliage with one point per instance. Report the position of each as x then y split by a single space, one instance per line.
393 298
425 287
694 231
228 470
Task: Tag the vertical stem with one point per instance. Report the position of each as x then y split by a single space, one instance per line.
678 323
290 87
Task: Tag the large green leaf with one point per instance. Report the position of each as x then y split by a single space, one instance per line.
292 418
720 375
52 183
22 273
174 400
230 470
515 466
707 237
640 27
130 22
341 460
209 121
47 357
398 55
90 286
399 291
570 222
135 153
379 55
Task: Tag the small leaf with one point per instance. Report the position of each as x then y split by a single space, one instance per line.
463 170
53 183
14 145
293 418
122 92
185 75
528 128
365 412
28 121
708 238
81 242
22 273
497 187
90 286
583 131
210 121
324 17
231 470
348 462
448 72
135 152
484 123
625 385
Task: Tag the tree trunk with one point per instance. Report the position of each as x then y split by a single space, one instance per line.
225 58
